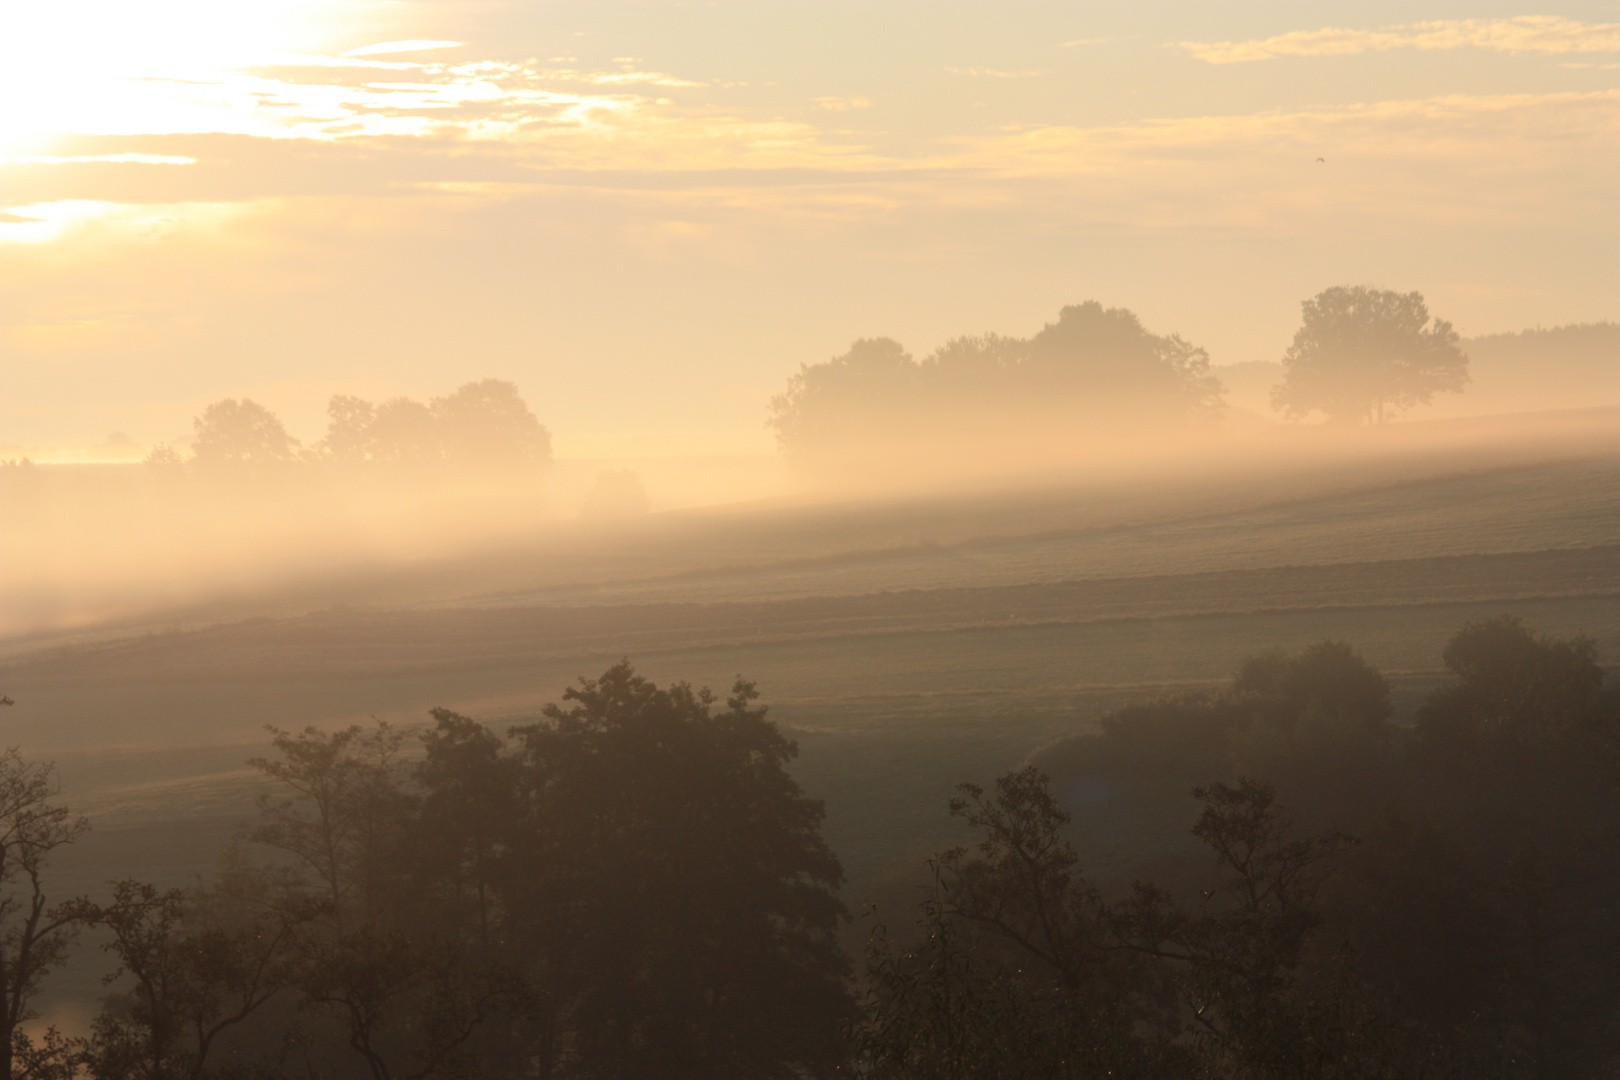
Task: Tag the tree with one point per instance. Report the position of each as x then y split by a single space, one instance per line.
202 962
848 400
671 884
1254 1007
349 435
34 934
405 435
1094 372
1363 353
402 993
486 425
232 432
344 815
1105 359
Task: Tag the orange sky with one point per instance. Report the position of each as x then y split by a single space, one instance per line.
648 215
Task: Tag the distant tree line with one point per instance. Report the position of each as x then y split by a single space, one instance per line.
1361 355
633 885
484 427
1093 370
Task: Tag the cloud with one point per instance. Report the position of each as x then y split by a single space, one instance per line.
995 73
1530 160
105 159
401 46
1524 34
1075 44
841 104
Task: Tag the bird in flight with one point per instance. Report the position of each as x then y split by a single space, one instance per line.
1322 160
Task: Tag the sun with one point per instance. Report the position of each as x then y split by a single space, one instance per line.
109 67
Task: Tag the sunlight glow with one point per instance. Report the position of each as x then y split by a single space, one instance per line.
103 67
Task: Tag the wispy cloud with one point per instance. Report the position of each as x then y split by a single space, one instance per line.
996 73
1077 42
1525 34
384 47
841 104
107 159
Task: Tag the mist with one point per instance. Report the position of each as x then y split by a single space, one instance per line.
595 541
247 518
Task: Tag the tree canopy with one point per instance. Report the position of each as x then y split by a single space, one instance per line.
235 433
671 865
483 428
1093 371
1362 354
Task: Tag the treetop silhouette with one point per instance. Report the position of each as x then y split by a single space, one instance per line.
1362 354
1094 371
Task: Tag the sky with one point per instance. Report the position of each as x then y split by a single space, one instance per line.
649 215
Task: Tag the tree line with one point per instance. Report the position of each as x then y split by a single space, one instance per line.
1361 355
634 885
483 427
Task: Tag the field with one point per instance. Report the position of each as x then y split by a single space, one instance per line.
906 646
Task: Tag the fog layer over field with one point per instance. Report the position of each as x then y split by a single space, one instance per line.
88 546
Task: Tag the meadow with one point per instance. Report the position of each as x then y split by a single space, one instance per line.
907 647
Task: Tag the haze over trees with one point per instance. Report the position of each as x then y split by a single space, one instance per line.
1561 367
1362 354
1094 373
1376 900
483 428
231 433
634 885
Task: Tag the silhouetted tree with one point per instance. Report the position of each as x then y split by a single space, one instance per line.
350 438
1481 910
1094 370
485 425
1024 970
405 436
482 427
403 992
232 432
202 963
340 812
847 400
1239 963
671 883
1107 359
1362 353
1500 886
34 933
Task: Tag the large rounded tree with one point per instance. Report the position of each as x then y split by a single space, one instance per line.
235 433
670 889
1363 354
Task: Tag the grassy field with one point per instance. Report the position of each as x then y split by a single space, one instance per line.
903 665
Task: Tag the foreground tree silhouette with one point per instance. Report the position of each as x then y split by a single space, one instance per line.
1363 353
201 963
672 889
34 933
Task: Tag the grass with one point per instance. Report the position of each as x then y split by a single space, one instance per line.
900 670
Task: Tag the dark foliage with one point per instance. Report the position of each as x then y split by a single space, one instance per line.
1472 932
633 885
